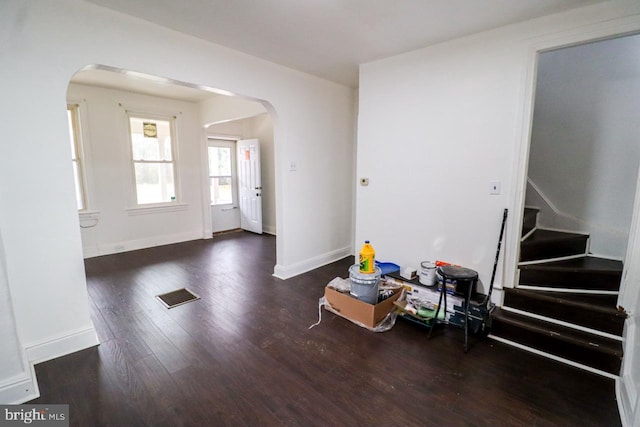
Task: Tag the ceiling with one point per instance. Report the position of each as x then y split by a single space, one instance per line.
330 38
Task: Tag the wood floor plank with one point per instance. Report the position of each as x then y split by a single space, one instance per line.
243 355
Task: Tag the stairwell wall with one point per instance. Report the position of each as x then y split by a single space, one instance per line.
584 153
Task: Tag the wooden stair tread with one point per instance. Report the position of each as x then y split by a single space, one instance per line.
595 299
585 273
595 312
585 263
570 299
583 339
600 315
542 235
547 244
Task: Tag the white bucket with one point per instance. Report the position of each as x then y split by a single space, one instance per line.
428 273
364 286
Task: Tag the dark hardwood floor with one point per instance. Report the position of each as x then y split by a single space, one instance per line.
243 355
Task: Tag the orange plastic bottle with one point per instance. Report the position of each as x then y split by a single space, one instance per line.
367 258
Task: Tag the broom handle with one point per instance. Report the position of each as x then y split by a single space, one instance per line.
495 264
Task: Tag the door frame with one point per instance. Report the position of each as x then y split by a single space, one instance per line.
232 145
627 392
592 33
207 229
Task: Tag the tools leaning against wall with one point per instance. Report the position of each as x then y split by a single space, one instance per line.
486 306
376 293
423 298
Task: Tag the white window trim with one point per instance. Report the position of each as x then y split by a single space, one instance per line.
150 208
82 150
154 208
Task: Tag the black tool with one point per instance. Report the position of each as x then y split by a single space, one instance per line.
486 307
495 263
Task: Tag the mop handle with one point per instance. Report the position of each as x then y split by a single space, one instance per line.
495 264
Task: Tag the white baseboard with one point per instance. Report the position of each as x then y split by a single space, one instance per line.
99 249
62 345
20 389
287 271
269 229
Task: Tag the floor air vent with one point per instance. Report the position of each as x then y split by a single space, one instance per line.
176 298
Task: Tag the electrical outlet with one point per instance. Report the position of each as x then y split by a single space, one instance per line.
494 188
293 167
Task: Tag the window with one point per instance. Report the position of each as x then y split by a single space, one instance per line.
76 154
152 148
220 175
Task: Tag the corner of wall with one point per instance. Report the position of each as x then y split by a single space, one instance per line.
62 345
21 388
288 271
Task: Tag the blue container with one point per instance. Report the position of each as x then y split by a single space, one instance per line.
387 267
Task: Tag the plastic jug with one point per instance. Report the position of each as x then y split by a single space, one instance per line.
367 258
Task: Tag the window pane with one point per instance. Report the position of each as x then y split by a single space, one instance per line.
221 193
78 181
219 161
74 142
156 145
72 133
154 182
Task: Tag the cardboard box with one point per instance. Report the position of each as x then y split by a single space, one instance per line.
354 309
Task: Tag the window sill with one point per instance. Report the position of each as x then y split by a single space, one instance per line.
89 215
158 208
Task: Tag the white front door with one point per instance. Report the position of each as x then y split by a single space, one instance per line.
249 185
225 214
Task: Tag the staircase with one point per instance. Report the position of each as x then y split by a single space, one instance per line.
564 306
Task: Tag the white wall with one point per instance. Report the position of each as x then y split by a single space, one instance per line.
584 153
43 45
116 226
438 124
227 108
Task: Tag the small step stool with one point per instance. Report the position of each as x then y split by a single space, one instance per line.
463 277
